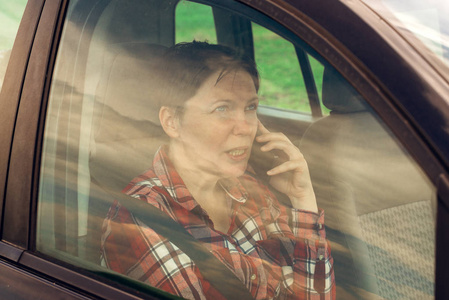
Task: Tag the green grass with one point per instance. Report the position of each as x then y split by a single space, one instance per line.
194 22
11 12
282 84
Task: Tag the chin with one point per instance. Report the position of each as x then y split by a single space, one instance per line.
235 171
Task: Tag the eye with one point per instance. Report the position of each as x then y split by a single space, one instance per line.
222 108
252 106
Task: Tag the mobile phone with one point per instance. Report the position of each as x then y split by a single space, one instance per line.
261 162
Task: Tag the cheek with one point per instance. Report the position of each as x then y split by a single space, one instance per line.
254 123
217 134
207 133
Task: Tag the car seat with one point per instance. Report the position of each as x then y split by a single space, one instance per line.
126 131
376 200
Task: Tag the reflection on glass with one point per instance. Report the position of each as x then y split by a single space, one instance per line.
427 20
378 202
185 145
10 15
201 179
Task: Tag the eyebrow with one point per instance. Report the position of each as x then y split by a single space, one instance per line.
230 101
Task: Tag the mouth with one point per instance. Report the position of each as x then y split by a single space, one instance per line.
238 153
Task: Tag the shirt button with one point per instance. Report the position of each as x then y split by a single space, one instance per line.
253 276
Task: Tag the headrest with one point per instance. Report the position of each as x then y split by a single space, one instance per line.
124 90
126 128
338 95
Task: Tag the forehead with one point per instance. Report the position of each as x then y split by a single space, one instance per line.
236 83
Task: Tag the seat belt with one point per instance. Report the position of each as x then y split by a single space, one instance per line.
211 268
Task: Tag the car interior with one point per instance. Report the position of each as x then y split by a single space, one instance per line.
102 130
374 194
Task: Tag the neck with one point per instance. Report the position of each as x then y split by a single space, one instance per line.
201 184
204 187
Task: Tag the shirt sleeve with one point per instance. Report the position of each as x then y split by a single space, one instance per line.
308 228
307 224
297 242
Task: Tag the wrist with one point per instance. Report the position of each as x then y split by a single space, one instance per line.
306 202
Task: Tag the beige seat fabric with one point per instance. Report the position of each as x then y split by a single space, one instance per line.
126 130
360 172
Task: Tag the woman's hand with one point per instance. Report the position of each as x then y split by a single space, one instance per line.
291 174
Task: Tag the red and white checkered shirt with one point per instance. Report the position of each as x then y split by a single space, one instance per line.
277 252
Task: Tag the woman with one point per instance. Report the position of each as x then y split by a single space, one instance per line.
202 180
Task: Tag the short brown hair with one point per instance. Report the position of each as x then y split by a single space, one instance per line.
186 66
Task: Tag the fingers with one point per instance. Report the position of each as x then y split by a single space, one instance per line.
272 136
291 165
284 149
278 143
265 135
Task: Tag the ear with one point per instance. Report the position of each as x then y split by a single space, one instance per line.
169 121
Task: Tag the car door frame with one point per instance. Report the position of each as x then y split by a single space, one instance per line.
25 92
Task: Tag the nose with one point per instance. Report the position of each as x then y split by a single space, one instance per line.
244 124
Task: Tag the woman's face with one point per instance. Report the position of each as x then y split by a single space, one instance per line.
218 127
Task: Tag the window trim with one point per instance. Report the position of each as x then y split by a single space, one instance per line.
11 91
442 242
21 174
309 82
86 281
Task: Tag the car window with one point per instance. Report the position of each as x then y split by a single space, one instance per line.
123 159
274 55
10 15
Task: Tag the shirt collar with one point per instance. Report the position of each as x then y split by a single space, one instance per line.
170 179
234 189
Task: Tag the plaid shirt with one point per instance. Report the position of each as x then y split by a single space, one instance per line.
277 252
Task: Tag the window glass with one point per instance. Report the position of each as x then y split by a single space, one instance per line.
152 172
194 21
10 15
275 58
426 20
